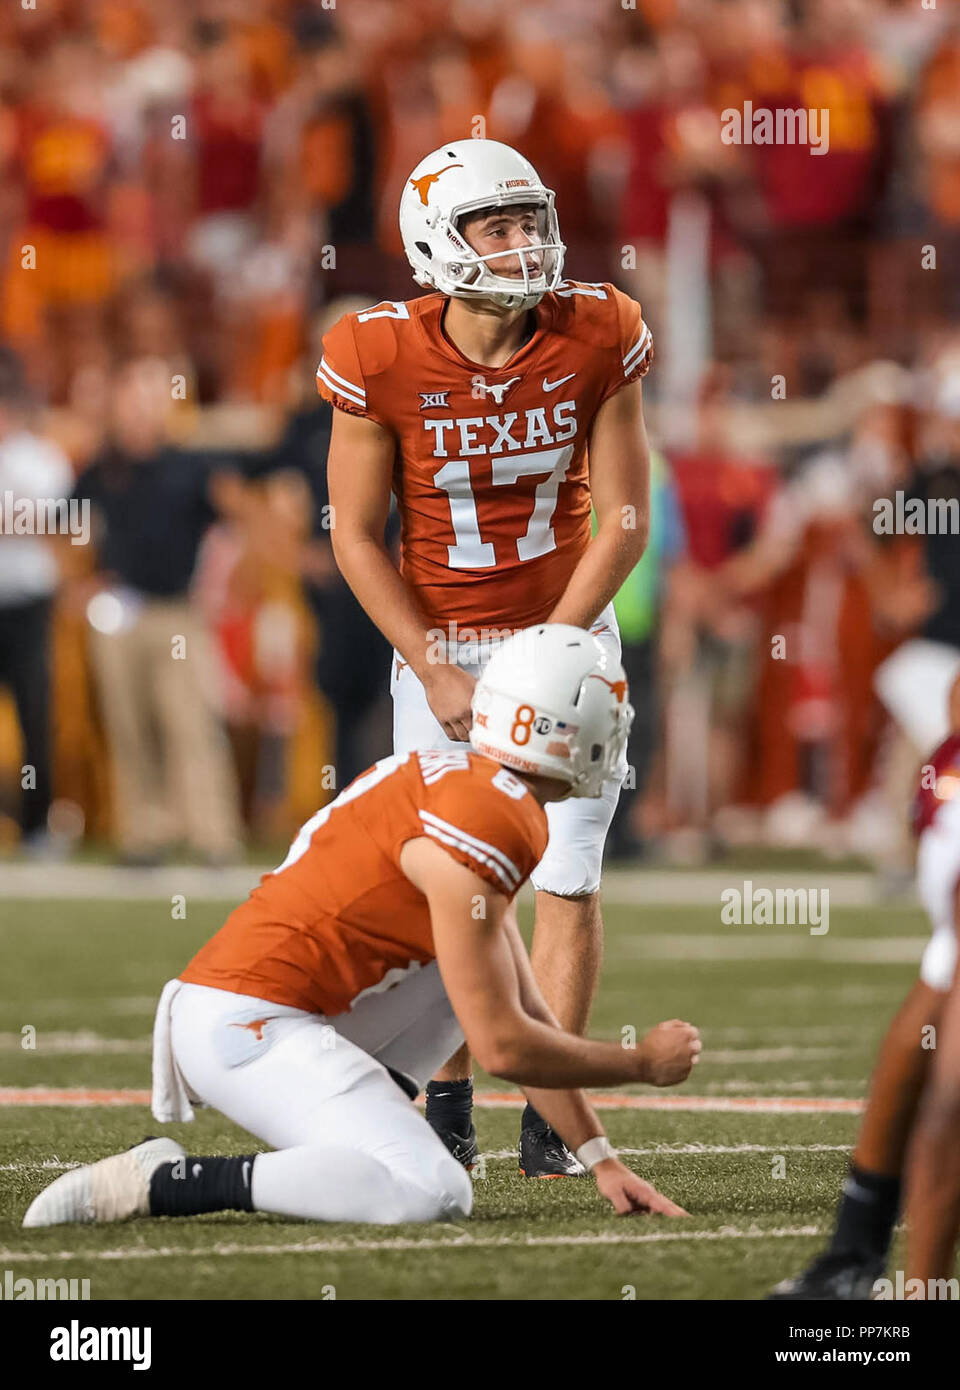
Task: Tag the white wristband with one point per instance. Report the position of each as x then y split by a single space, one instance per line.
594 1151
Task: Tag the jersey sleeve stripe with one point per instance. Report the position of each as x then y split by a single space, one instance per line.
481 848
473 853
340 390
636 352
335 379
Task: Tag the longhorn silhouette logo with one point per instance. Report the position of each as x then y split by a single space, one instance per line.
426 181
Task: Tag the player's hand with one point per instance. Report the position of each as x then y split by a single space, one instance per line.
449 690
668 1052
627 1193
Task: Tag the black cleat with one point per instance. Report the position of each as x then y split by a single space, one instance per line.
832 1277
541 1153
464 1147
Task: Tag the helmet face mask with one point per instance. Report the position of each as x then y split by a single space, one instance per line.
484 176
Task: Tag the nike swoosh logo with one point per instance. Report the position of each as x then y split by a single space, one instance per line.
246 1173
552 385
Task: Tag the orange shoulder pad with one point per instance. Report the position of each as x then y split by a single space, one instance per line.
610 321
483 816
358 348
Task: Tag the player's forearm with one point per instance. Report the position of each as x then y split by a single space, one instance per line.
381 591
540 1054
568 1112
604 566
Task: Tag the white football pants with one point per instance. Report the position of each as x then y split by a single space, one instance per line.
938 873
571 864
350 1145
913 684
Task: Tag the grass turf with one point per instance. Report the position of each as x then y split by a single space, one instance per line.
803 1022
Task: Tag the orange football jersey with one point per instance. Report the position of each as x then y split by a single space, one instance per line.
491 475
339 917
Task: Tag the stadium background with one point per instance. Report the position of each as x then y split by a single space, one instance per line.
206 186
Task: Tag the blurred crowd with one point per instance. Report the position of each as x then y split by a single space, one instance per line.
190 193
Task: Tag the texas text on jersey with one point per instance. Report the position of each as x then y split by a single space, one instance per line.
491 474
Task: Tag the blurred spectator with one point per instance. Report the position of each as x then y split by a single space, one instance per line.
814 740
353 657
938 141
321 149
817 209
172 775
641 604
724 494
31 470
915 681
249 601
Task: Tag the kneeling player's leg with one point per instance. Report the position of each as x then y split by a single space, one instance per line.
351 1146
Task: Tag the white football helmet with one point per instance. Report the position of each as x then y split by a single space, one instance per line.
465 177
552 701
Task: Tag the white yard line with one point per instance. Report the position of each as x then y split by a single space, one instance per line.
643 887
775 943
701 1150
723 1056
78 1044
127 1004
462 1241
56 1165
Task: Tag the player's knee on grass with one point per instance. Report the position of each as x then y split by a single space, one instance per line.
322 1183
428 1184
446 1196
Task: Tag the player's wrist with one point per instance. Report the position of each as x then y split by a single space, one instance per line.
641 1066
596 1152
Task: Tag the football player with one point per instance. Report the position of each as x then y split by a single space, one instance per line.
318 1011
477 405
920 1050
933 1169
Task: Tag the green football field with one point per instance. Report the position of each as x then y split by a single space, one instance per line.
753 1146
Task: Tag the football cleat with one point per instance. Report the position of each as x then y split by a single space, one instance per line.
114 1189
463 1147
541 1153
845 1277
